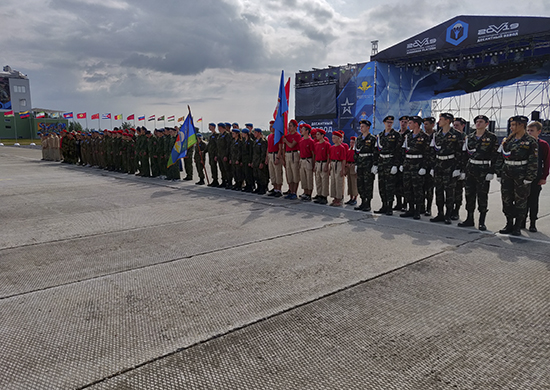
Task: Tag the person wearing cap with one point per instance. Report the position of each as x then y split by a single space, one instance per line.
351 172
107 149
250 128
517 168
143 152
480 148
291 148
247 146
399 191
534 129
223 152
307 149
337 155
259 157
365 146
446 147
199 155
212 151
321 169
429 125
274 162
235 159
152 149
387 157
459 124
415 158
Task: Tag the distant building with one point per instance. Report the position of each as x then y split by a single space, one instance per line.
15 91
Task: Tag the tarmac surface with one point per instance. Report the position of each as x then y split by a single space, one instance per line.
112 281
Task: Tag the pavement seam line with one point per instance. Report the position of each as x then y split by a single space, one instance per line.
258 321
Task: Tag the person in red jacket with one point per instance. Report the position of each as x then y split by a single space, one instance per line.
534 129
306 146
338 156
321 168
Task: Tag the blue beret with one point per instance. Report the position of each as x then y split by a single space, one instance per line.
235 124
245 130
199 135
212 124
161 130
249 125
227 125
221 124
258 129
236 130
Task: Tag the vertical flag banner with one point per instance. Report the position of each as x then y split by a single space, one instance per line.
185 139
81 115
95 116
68 115
282 108
130 117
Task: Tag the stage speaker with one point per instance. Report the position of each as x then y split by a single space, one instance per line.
535 116
492 125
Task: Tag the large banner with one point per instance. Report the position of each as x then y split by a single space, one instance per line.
5 96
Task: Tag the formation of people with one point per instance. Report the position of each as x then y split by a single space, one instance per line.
414 164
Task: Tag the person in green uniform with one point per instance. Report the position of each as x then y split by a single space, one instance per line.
200 150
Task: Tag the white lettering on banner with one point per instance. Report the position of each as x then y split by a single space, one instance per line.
421 45
505 30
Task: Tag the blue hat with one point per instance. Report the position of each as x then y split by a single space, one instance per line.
161 130
245 130
258 129
236 130
249 125
212 124
199 135
221 124
227 125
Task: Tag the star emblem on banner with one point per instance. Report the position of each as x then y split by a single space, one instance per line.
346 107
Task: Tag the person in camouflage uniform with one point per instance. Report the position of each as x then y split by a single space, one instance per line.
235 159
516 167
165 150
212 150
429 184
365 146
117 146
415 159
142 148
446 148
200 149
223 149
153 148
172 171
388 155
259 157
188 161
399 191
481 149
246 159
459 125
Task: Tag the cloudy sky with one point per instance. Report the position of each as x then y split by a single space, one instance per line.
221 57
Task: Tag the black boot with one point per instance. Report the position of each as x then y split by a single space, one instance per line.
482 226
389 208
214 184
360 207
383 209
200 182
366 205
440 217
448 216
509 226
532 226
416 212
399 205
517 226
454 213
409 213
469 221
428 210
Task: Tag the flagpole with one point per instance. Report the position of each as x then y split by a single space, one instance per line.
87 122
15 126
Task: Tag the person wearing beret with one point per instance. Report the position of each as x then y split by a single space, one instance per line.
429 186
388 159
516 168
338 156
224 147
212 151
399 192
199 155
247 145
321 169
235 159
446 148
459 125
481 156
365 147
415 159
534 129
259 157
307 147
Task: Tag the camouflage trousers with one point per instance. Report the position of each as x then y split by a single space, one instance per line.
237 173
200 169
514 195
459 189
213 167
188 166
477 188
429 187
445 183
386 183
413 184
365 179
261 176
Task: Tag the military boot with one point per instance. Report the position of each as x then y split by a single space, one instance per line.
454 213
409 213
516 231
482 226
360 207
509 226
469 221
440 217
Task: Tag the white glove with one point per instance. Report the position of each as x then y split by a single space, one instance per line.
462 176
432 173
527 181
374 169
401 168
498 179
456 173
422 172
393 170
489 177
356 169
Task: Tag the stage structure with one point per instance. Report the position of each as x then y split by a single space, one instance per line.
476 55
